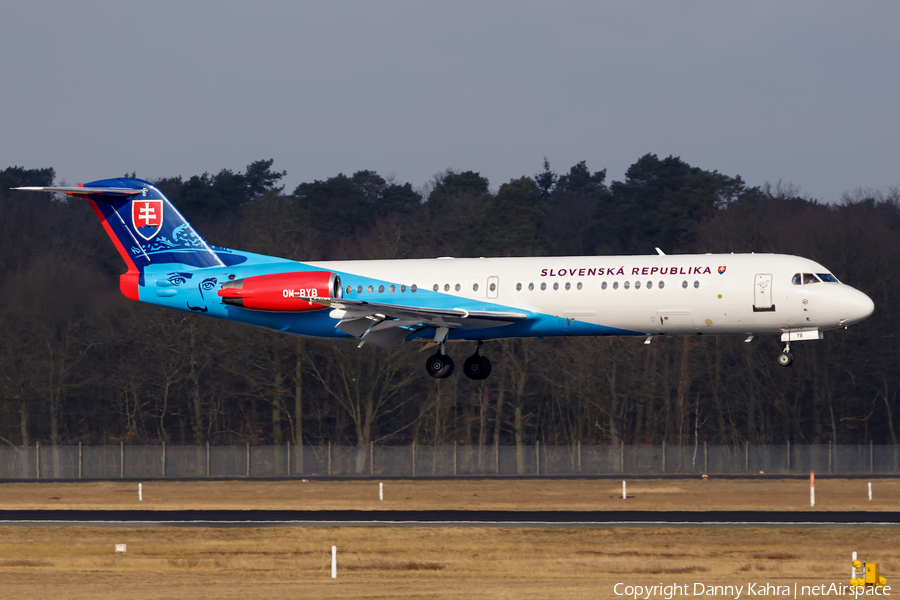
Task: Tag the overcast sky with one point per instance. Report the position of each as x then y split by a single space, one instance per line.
804 92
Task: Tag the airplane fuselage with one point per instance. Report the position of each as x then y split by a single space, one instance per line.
600 295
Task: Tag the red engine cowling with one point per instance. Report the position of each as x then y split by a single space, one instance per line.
282 291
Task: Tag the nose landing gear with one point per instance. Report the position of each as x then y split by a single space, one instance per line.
786 359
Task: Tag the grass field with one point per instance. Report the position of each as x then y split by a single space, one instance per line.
79 562
396 562
533 494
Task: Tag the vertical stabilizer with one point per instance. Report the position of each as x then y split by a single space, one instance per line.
144 226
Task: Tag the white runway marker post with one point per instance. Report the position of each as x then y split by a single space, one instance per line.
623 491
381 491
812 489
870 491
334 562
140 492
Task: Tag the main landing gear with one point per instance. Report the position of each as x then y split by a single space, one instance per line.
477 367
786 359
440 365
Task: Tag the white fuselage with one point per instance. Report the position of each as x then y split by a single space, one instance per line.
641 295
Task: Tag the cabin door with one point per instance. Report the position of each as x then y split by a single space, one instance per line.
762 293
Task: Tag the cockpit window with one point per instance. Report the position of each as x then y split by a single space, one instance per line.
807 278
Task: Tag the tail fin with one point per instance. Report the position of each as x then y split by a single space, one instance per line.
144 226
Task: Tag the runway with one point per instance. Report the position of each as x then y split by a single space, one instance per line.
458 518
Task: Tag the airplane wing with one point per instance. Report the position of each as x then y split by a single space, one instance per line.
386 325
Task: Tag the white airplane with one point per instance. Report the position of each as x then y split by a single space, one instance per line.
383 302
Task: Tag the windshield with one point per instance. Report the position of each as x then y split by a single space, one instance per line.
808 278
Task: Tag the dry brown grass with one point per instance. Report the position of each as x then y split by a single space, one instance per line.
452 563
654 494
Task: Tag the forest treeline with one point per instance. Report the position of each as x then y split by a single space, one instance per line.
80 363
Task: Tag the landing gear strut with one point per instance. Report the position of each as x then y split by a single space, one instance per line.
786 359
439 364
477 366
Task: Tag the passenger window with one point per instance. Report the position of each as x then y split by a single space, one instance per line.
518 287
492 287
662 284
402 288
579 285
602 286
626 285
359 289
435 288
696 284
684 284
371 289
474 287
796 279
530 287
543 286
615 285
637 285
413 288
446 287
568 286
349 289
555 286
380 289
393 289
649 284
457 287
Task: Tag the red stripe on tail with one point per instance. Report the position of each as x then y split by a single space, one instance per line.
128 281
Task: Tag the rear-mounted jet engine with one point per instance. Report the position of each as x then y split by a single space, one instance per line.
282 292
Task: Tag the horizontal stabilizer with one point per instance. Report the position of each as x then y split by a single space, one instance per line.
74 189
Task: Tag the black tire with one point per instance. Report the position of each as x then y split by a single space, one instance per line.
435 364
485 367
472 367
448 370
439 365
477 367
785 359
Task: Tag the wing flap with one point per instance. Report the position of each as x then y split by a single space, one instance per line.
361 308
386 325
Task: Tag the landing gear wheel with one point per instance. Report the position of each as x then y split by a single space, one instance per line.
477 367
785 359
439 365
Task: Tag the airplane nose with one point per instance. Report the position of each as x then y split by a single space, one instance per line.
859 307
